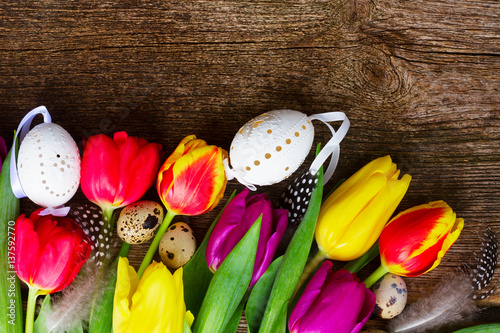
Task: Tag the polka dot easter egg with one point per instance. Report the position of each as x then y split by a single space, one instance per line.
49 165
391 296
177 245
138 222
270 147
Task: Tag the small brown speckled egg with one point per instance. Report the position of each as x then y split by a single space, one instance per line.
138 222
391 295
177 246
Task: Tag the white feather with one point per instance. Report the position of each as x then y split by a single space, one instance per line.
73 306
449 303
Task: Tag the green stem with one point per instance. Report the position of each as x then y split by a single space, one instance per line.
30 311
107 214
124 250
310 267
375 276
156 241
356 265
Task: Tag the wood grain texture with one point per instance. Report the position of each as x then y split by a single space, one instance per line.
419 80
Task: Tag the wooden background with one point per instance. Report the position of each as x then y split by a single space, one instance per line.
419 80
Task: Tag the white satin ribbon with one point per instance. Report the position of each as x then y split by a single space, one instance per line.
332 147
22 130
231 174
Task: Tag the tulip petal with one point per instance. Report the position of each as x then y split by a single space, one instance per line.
126 284
335 219
311 292
266 251
415 240
101 153
230 218
156 305
337 307
138 171
366 310
367 226
53 262
26 241
199 177
381 165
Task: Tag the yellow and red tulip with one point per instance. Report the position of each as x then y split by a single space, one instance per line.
415 240
433 228
353 216
192 180
154 303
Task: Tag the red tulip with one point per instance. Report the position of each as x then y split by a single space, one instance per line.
49 251
192 180
117 172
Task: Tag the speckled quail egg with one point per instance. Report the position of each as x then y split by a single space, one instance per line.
391 295
138 222
177 245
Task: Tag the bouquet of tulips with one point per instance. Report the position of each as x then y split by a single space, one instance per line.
237 269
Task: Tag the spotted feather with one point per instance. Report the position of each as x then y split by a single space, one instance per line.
91 219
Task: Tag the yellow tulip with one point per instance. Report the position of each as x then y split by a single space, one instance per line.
353 216
155 303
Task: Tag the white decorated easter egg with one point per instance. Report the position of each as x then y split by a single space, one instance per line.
270 147
391 295
177 246
49 165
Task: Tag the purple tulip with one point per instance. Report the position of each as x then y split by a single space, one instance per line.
3 151
332 302
240 214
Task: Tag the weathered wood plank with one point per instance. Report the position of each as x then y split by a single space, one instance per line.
418 79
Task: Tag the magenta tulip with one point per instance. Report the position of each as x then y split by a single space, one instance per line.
236 219
332 302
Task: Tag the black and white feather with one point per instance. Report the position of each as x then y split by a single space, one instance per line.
453 299
296 199
96 226
297 196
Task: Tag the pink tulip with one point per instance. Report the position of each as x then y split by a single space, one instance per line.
332 302
236 219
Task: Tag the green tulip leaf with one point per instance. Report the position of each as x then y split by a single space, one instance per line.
229 284
101 315
257 301
11 320
484 328
293 264
234 322
196 276
40 325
